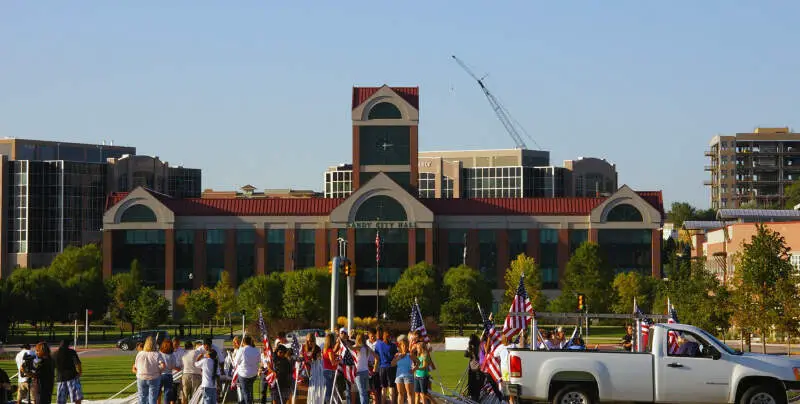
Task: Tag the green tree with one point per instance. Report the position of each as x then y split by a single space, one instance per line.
698 296
680 212
463 286
88 291
225 296
74 261
588 274
306 294
533 283
6 307
787 296
417 282
123 290
150 308
762 264
792 194
630 285
263 292
200 305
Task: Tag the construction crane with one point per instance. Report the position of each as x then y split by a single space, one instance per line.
505 118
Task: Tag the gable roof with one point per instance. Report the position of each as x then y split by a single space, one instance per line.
409 94
324 206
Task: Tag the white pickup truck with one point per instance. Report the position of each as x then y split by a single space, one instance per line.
714 374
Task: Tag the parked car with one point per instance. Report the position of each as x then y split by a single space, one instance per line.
302 334
129 343
710 372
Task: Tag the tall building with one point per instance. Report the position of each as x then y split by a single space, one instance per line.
505 173
753 168
182 244
131 171
53 194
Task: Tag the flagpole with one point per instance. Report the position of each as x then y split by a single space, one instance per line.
377 273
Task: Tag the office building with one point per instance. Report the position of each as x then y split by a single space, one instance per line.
753 169
185 243
54 194
505 173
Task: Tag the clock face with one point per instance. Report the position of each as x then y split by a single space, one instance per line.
385 145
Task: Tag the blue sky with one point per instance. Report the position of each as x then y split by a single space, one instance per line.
259 91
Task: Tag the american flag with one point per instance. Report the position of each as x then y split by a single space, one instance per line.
271 377
347 362
490 364
672 336
645 325
377 246
417 324
296 352
514 324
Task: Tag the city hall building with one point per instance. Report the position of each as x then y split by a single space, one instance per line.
183 243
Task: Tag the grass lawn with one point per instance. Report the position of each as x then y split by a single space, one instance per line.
102 376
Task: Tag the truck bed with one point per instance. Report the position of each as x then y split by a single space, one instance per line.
629 375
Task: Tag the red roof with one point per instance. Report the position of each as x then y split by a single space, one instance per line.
513 206
324 206
410 94
242 206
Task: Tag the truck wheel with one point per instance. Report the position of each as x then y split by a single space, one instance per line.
573 394
764 394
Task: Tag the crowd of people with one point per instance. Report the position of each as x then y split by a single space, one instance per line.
384 369
40 372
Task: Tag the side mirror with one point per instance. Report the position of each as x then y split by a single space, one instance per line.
714 353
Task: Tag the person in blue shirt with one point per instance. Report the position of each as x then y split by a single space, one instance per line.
386 351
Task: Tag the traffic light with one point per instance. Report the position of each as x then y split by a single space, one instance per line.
330 267
581 302
349 269
342 262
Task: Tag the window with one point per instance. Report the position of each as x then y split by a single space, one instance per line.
382 208
215 256
138 213
487 248
275 249
689 344
448 186
304 256
490 182
624 213
427 185
548 249
794 259
245 254
338 184
384 110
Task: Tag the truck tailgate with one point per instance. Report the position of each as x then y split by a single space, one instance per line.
620 376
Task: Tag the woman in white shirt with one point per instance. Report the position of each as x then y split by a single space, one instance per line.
148 366
170 364
364 355
209 368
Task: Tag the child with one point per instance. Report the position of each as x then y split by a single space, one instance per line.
423 364
209 366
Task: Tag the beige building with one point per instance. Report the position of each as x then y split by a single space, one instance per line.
130 171
753 167
248 191
504 173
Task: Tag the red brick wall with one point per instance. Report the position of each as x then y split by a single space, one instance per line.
261 251
429 246
169 259
199 258
108 253
288 250
230 256
502 257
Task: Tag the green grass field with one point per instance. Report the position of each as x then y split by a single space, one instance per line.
105 376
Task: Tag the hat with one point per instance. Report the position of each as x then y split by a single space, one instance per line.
401 337
343 330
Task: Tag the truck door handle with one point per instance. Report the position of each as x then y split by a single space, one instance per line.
675 365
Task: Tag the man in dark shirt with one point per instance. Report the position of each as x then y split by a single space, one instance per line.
386 350
627 340
283 372
68 370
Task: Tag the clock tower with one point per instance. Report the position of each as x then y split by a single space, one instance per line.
385 136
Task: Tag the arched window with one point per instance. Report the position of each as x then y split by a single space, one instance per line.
138 213
384 110
624 213
381 208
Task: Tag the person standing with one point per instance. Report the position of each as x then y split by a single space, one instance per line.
404 381
312 357
246 364
177 352
208 364
386 350
423 364
170 364
45 374
26 382
148 366
190 381
474 374
329 364
364 355
69 370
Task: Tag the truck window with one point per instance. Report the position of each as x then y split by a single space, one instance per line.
690 345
